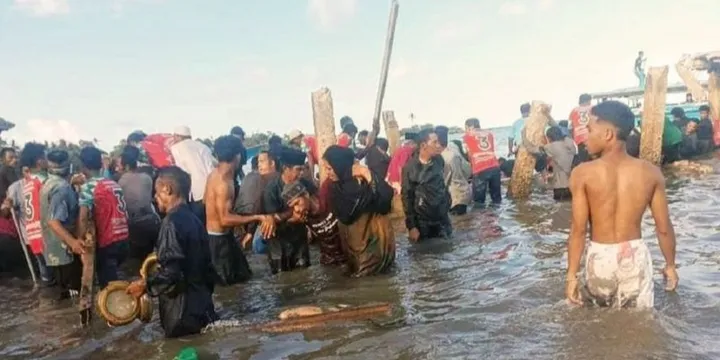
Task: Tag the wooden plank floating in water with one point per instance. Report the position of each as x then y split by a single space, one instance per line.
320 320
653 116
638 91
324 121
533 137
392 130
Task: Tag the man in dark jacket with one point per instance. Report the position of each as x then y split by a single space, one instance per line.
425 197
184 282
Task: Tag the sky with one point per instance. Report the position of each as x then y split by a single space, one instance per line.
83 69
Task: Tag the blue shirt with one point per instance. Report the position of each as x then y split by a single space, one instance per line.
517 129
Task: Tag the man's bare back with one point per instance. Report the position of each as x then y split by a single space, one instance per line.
611 194
614 193
218 198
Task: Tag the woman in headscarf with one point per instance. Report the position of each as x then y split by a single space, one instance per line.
361 202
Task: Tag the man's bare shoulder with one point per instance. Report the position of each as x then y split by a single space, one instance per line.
583 170
647 168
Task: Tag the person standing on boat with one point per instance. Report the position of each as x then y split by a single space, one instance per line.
579 118
705 131
640 68
611 195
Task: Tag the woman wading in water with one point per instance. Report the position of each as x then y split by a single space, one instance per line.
361 201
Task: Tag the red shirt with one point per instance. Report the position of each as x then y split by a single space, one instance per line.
579 118
105 199
481 150
311 145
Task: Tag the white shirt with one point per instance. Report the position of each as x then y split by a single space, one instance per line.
196 159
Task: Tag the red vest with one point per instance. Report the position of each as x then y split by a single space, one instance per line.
716 130
33 226
311 144
481 150
157 147
109 213
579 118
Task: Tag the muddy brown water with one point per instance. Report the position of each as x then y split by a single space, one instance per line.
494 291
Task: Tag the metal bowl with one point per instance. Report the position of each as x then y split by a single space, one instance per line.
149 266
116 306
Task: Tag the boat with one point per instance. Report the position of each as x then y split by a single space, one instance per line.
253 151
697 88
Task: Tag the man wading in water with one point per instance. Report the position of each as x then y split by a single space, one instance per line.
612 194
227 257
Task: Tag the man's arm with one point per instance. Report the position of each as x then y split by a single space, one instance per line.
578 225
408 198
224 204
85 200
272 205
663 224
59 213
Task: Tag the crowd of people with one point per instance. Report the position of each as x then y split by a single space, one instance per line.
200 213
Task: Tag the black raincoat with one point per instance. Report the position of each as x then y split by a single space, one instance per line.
184 283
425 197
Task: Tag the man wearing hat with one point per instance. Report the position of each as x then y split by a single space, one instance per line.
59 212
290 239
196 159
308 145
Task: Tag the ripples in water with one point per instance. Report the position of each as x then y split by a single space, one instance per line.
496 290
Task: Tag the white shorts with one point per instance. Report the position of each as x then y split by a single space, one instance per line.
619 275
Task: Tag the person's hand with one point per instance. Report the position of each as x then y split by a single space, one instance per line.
246 241
136 288
671 278
77 247
267 226
7 204
414 235
572 292
359 170
77 179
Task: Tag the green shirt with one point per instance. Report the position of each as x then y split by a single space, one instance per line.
671 134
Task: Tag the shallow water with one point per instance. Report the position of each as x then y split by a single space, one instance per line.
493 291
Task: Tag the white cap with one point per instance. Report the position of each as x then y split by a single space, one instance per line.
182 131
294 134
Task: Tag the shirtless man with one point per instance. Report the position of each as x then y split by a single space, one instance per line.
612 193
227 257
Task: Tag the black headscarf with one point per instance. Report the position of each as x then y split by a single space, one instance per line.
349 197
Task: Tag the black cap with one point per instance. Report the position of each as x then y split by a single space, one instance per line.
292 157
237 131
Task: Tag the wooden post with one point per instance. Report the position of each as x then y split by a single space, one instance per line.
392 130
324 122
533 137
684 69
714 97
653 115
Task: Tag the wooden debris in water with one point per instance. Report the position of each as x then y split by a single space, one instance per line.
392 130
533 137
653 115
320 320
687 166
324 121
